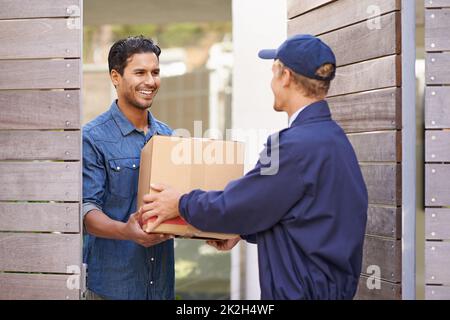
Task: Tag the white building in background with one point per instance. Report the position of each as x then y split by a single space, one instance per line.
257 24
173 62
220 65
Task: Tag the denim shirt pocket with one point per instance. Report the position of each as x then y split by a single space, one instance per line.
124 175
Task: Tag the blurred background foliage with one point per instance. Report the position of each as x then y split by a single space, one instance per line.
167 36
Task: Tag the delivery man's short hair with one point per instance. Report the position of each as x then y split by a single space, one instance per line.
125 48
311 88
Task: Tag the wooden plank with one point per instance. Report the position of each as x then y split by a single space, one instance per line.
295 7
386 291
384 221
325 19
44 217
437 24
377 146
436 185
384 253
368 75
39 252
24 38
437 3
14 9
36 287
437 292
40 145
437 260
40 181
383 183
35 109
437 146
40 74
368 111
356 43
437 107
437 224
437 66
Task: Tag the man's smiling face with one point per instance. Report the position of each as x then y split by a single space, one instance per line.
138 85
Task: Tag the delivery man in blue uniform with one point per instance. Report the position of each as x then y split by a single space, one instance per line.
306 209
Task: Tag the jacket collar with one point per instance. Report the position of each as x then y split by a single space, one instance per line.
314 111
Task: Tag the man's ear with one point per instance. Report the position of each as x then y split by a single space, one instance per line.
286 77
115 77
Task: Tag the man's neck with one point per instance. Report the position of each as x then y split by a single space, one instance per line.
138 117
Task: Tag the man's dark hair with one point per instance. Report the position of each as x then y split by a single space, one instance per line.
125 48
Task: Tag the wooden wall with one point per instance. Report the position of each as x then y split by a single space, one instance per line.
365 99
437 149
40 168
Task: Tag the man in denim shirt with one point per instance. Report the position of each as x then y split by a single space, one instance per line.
123 261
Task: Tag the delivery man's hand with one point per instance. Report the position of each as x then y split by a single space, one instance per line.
133 231
224 245
162 205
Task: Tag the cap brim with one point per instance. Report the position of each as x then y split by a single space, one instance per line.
267 54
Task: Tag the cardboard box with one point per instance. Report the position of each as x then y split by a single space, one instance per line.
187 164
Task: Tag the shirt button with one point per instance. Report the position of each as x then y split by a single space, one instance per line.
151 282
152 259
134 166
118 168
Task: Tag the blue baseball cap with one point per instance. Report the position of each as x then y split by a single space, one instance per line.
304 54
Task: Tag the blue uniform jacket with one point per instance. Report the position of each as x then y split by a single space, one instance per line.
308 219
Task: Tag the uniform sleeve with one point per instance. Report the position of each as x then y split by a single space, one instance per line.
94 176
251 204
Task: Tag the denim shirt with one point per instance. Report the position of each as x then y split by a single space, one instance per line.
119 269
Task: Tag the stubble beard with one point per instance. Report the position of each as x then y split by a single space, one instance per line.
137 105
